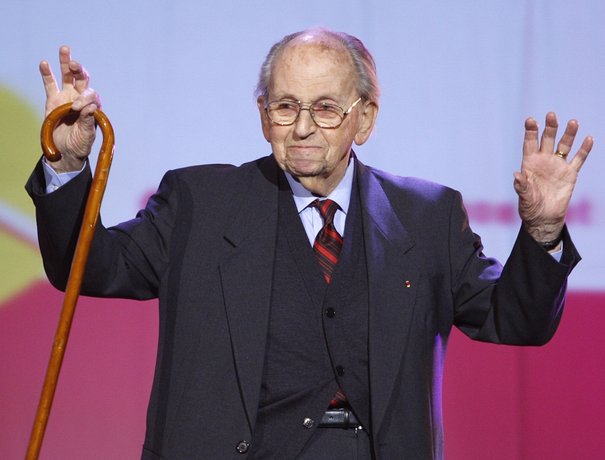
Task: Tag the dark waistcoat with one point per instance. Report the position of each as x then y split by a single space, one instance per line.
317 338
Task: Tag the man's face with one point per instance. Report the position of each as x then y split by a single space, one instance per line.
310 72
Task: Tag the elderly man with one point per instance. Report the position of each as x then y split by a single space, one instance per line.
306 299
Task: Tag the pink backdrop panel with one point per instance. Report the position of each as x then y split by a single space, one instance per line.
522 403
101 399
501 403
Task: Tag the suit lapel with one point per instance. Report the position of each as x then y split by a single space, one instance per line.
391 276
247 275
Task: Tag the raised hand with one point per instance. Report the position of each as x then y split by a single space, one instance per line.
547 179
75 135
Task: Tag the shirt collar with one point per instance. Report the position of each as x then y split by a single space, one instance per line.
341 194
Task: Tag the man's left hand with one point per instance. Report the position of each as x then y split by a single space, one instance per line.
547 177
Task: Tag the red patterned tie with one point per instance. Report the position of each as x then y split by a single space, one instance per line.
339 400
328 242
327 246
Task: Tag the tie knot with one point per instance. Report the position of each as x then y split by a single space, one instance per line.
327 208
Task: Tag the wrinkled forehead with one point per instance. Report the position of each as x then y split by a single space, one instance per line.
310 47
314 63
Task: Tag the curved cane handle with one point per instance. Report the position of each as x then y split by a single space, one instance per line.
52 120
78 265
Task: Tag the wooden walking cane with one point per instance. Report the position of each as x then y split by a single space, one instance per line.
78 265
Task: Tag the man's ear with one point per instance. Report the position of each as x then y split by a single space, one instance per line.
264 118
367 119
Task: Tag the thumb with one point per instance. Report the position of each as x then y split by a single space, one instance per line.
520 183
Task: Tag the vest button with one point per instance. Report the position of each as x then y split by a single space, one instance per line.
242 447
330 313
340 371
308 422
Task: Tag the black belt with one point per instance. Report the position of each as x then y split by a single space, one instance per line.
339 418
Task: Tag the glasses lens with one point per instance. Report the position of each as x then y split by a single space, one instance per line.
283 112
327 115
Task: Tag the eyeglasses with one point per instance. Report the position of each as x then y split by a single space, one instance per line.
324 114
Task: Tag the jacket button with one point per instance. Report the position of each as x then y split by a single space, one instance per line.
330 313
308 422
242 447
340 371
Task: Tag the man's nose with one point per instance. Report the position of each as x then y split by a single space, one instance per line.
304 125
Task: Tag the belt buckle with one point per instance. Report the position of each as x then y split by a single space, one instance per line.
340 418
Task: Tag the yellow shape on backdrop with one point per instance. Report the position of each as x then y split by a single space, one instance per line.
20 263
20 266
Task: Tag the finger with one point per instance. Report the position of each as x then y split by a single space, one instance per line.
88 97
549 134
50 84
580 157
530 141
566 142
87 115
81 76
67 78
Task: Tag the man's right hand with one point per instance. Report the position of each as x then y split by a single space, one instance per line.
75 135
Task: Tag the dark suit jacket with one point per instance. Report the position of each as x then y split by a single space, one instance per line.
204 245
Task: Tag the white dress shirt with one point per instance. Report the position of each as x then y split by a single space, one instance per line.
310 216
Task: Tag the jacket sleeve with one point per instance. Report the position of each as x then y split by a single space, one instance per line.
518 304
126 260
